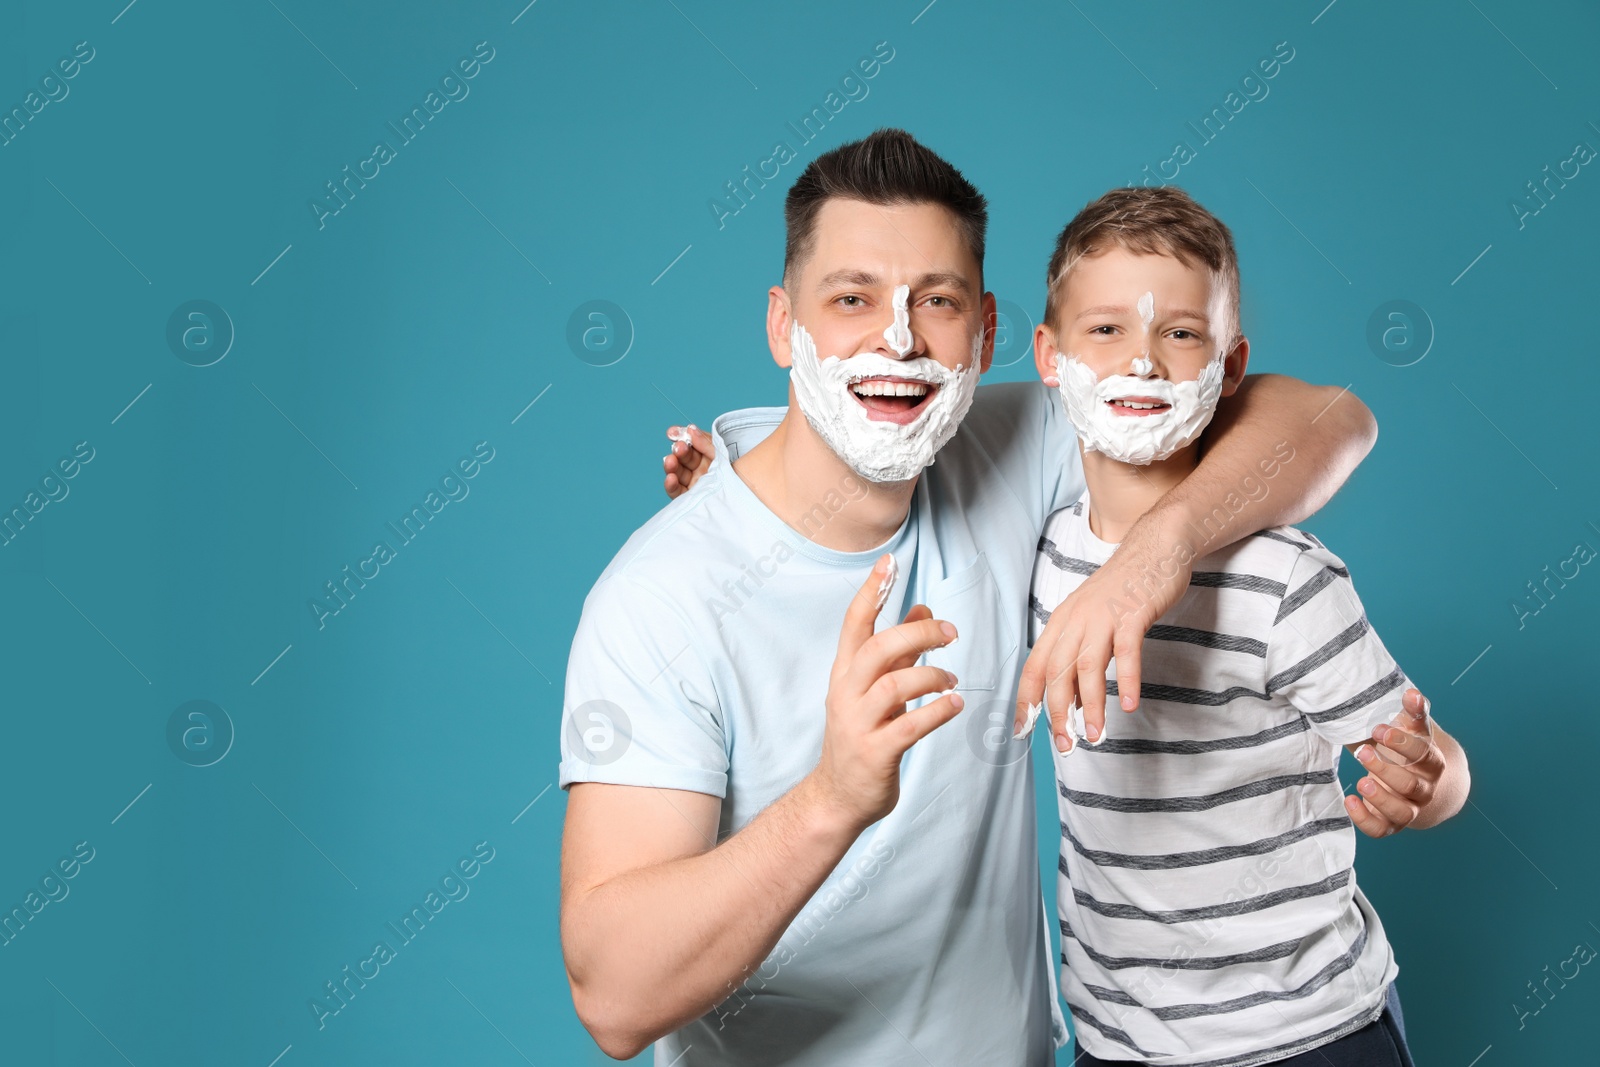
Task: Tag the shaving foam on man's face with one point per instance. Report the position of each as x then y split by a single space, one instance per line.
886 418
1140 417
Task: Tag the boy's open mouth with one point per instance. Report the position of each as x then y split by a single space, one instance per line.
1138 405
898 400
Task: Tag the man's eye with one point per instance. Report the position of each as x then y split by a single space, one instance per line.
849 301
940 301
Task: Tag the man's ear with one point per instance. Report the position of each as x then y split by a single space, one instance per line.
1044 354
1233 366
991 323
779 319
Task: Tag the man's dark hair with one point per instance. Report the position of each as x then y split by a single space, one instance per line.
887 167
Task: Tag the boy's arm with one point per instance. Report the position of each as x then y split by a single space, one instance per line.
1275 452
692 453
1420 778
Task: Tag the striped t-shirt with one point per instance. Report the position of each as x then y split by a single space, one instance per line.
1208 902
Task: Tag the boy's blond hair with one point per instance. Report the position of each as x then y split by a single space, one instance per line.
1163 220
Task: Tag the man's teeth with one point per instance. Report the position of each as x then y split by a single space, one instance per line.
890 388
1137 405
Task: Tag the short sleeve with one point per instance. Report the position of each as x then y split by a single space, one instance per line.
1323 655
1023 430
639 707
1063 463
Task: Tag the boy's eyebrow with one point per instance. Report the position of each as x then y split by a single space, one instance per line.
1122 309
867 280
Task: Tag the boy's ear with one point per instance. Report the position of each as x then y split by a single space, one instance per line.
1044 354
779 319
1233 367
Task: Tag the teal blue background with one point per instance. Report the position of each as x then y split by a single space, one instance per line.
427 315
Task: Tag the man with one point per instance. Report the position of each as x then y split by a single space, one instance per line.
772 852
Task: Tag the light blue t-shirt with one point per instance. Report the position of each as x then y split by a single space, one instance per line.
701 663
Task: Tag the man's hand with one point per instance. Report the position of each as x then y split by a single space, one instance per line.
1417 774
874 677
1105 617
692 452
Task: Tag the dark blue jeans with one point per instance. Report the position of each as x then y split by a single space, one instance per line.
1381 1043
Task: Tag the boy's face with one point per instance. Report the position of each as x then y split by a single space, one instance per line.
1143 325
1100 320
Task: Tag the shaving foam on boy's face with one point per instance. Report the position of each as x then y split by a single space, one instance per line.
1130 414
885 417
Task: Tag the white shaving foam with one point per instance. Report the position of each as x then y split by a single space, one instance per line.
1028 721
889 578
1133 438
877 450
1147 315
898 332
1077 731
680 435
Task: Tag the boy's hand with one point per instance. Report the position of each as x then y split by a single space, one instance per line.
692 452
1098 622
1404 769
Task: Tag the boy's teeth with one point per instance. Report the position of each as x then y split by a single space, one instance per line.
1138 405
890 388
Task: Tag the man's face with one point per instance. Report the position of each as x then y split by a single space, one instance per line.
885 328
843 294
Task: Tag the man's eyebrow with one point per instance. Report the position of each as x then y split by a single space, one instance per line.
945 279
843 278
866 279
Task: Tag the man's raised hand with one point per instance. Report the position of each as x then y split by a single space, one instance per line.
874 677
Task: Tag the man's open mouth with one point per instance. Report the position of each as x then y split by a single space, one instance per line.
898 400
1138 406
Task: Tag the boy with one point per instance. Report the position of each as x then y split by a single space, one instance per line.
1208 907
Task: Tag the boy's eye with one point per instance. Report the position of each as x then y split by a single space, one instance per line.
1184 335
1103 331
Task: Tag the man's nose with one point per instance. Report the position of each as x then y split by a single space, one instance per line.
897 335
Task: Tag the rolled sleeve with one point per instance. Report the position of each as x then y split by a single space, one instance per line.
639 707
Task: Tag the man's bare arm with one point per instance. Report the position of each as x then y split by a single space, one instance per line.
657 925
1327 428
659 922
1323 430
